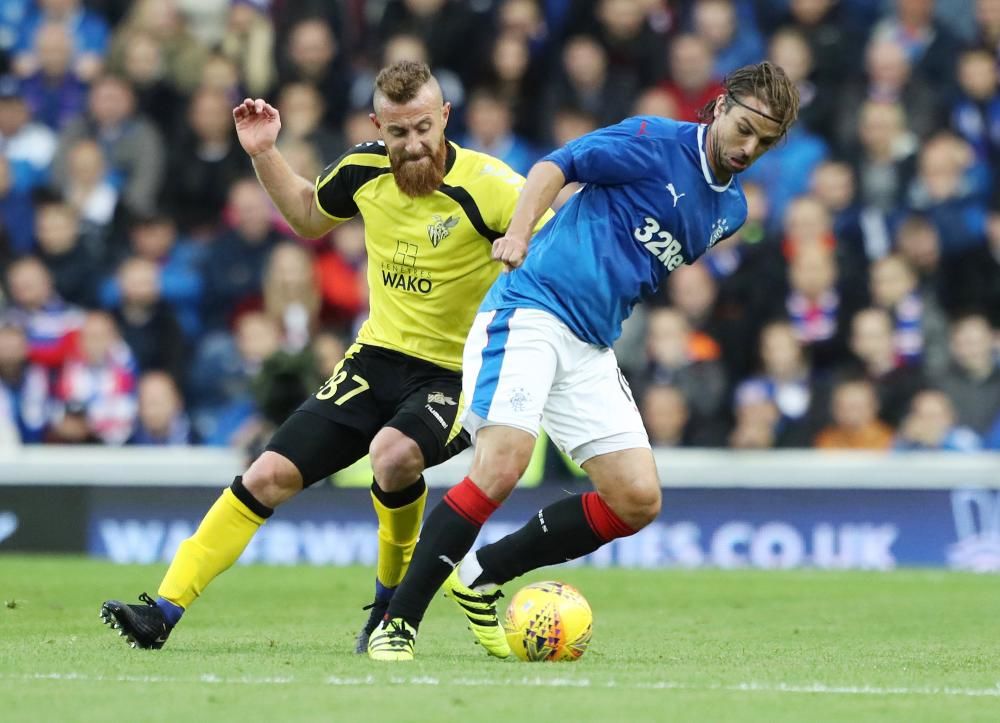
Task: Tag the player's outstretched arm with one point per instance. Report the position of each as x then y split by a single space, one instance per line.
257 126
545 181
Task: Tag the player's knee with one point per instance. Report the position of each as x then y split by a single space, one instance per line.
650 504
272 479
502 480
498 474
640 503
396 461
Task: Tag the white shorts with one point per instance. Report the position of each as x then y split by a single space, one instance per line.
524 368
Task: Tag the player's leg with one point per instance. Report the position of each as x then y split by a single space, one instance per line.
424 432
595 404
398 495
627 498
508 368
309 446
226 530
502 454
306 448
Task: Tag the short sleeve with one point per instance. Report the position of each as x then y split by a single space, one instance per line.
616 154
505 188
334 197
337 185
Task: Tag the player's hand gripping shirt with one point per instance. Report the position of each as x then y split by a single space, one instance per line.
429 261
650 204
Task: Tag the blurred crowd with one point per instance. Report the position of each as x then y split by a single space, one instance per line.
151 293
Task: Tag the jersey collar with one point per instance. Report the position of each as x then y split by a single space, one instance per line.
450 158
706 171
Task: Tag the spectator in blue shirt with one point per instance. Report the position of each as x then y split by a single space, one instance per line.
12 16
489 131
950 190
785 171
88 29
975 116
234 263
25 384
930 425
53 92
993 438
16 213
162 419
221 378
28 146
717 22
154 237
929 44
786 382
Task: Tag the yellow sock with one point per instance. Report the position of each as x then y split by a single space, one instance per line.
398 528
221 537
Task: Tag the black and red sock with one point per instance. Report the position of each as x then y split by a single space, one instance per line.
447 535
563 531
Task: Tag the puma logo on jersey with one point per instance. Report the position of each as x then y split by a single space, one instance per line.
441 229
677 196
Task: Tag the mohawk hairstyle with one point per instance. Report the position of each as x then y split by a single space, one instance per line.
767 83
400 82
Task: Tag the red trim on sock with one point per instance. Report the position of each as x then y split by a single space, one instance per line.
470 502
602 519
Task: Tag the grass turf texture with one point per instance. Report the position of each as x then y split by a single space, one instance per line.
274 643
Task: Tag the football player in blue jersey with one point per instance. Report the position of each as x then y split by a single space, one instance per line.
657 194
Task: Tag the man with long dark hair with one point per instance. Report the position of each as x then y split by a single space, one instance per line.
659 193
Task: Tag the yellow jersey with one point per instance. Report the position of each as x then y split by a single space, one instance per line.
429 258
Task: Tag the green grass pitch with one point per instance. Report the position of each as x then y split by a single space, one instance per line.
274 644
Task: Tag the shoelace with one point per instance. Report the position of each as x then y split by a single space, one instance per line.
491 599
147 599
398 629
376 603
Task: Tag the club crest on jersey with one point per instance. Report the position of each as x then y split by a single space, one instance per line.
719 229
519 399
440 398
441 229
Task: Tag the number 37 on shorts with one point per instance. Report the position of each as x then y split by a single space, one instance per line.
336 389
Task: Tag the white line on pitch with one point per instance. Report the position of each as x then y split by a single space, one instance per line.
527 682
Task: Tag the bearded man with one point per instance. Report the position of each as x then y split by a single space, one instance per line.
432 211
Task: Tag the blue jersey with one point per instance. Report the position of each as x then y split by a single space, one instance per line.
650 204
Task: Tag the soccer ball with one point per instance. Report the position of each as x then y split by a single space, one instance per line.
548 621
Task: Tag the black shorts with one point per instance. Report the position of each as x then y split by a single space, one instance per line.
371 389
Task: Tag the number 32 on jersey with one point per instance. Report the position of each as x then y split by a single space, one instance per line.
660 243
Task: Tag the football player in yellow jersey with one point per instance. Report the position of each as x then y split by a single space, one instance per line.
432 211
